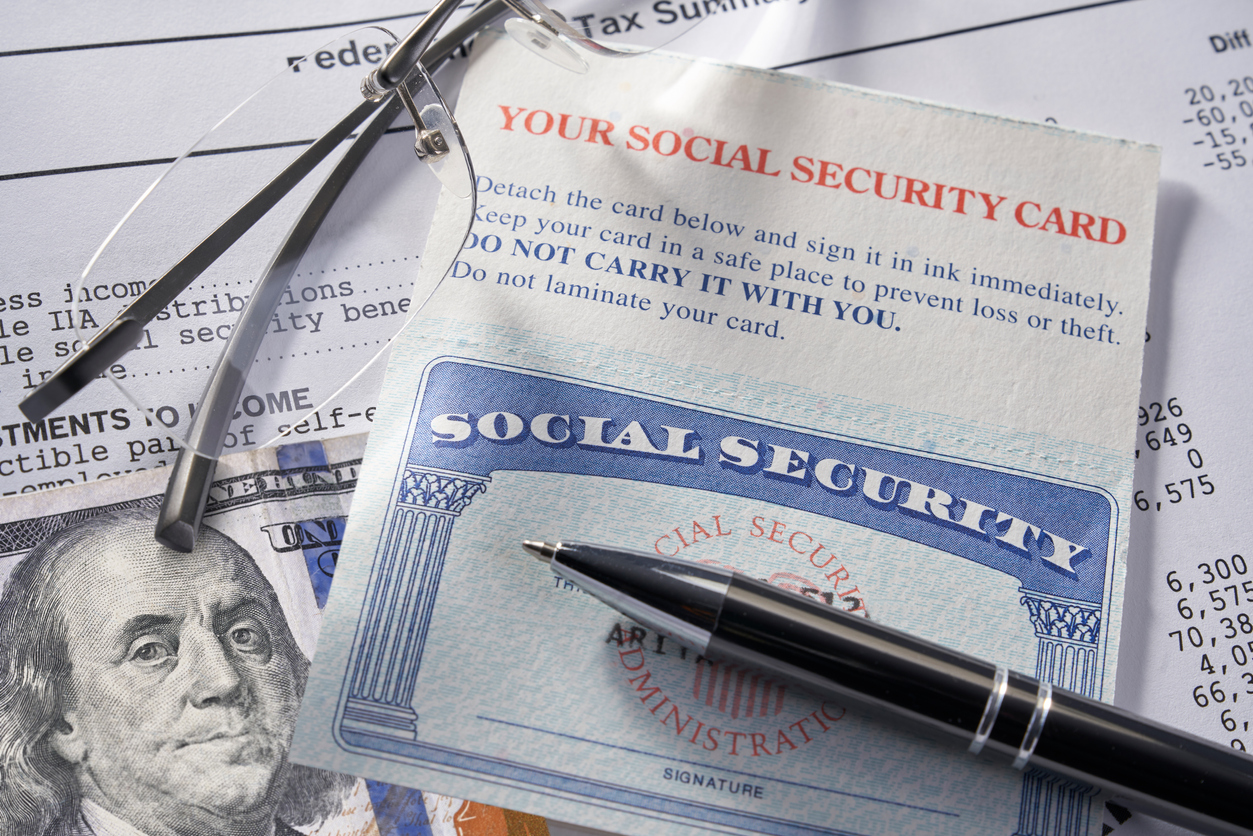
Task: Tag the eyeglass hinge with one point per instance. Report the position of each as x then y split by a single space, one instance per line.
373 88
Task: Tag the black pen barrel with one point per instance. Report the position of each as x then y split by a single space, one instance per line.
1158 770
833 652
1163 772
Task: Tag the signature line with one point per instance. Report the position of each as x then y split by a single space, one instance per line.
722 769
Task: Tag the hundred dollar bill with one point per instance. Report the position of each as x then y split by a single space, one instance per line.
877 351
144 691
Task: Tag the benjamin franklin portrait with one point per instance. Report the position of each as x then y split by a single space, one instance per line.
144 691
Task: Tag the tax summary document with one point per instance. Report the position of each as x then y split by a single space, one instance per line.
747 318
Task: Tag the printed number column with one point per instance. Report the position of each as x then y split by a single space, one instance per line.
398 603
1066 658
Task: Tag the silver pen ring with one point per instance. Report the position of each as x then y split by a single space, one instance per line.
1043 702
1000 682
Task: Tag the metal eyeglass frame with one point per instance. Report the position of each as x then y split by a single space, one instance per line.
385 93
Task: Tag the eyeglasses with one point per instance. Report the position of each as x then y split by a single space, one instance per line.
340 220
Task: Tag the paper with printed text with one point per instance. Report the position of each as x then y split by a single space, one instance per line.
875 350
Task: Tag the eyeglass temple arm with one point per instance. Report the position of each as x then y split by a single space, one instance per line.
187 491
125 331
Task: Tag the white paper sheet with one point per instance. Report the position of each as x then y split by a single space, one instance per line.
664 336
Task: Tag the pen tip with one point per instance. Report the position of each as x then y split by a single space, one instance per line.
542 551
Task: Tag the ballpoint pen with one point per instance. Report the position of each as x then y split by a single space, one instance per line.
728 616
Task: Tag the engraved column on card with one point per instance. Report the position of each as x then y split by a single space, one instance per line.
398 601
1067 630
